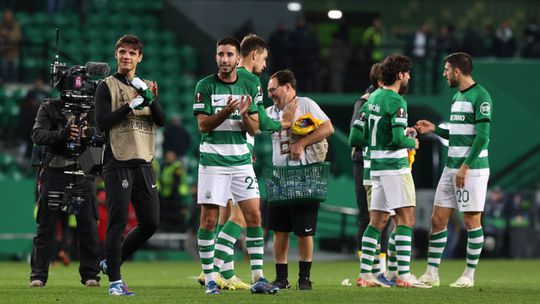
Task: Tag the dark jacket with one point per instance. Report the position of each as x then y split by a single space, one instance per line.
50 128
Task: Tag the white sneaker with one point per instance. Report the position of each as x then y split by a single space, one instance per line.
411 282
91 283
430 279
36 284
463 282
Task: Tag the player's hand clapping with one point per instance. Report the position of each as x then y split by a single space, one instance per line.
244 104
232 105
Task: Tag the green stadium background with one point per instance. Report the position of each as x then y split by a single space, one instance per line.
177 53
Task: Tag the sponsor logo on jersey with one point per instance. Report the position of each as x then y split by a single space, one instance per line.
485 108
455 117
401 112
198 97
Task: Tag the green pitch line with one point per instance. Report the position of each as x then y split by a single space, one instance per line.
497 281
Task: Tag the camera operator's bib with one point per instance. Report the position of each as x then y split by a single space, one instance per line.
134 136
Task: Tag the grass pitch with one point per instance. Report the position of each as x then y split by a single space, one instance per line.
497 281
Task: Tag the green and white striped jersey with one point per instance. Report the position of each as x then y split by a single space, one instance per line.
243 73
469 107
258 100
359 123
226 145
386 109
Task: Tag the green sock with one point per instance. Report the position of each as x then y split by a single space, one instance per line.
255 248
205 242
376 261
227 270
370 239
225 243
475 242
218 229
403 249
392 258
437 242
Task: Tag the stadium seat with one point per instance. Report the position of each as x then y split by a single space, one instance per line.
40 19
188 57
70 34
23 18
34 34
187 83
150 36
61 20
167 37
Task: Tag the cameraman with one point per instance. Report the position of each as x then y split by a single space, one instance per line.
52 130
127 110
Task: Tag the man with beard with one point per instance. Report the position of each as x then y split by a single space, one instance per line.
464 180
392 183
225 167
253 51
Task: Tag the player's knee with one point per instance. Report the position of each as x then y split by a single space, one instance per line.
379 222
253 219
208 223
472 221
438 223
407 221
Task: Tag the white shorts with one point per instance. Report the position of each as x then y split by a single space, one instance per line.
217 189
390 192
368 196
470 198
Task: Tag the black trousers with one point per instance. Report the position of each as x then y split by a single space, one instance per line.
122 185
44 241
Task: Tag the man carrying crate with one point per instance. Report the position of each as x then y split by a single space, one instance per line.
291 149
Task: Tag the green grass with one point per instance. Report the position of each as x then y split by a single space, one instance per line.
497 281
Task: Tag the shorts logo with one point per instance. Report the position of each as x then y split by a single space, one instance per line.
125 184
401 112
208 194
485 108
308 230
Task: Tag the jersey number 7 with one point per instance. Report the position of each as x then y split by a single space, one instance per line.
373 122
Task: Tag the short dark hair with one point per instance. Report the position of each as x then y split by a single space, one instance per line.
461 61
252 43
392 66
285 76
375 74
229 41
131 40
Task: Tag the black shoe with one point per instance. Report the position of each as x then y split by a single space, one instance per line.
304 284
281 283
